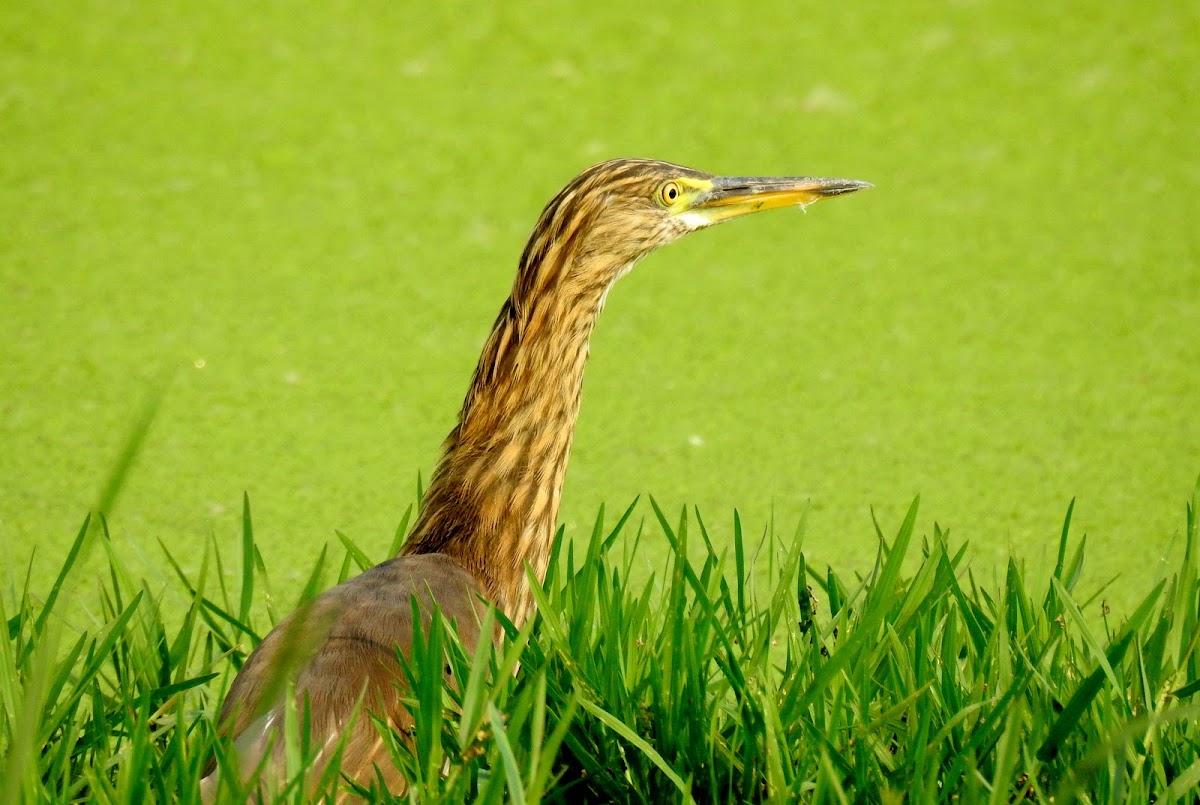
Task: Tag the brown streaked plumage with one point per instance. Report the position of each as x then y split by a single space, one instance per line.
493 500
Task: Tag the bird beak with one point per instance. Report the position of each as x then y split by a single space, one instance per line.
732 196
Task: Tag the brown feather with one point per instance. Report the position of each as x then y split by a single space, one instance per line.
492 504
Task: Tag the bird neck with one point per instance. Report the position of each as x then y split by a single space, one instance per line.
493 499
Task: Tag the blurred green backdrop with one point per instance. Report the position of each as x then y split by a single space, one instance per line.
311 212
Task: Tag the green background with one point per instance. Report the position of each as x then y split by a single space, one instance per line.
308 213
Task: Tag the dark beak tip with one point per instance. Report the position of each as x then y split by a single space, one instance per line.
844 186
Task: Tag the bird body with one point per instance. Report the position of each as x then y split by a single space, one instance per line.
492 504
340 652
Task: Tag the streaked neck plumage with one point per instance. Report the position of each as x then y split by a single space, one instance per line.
493 500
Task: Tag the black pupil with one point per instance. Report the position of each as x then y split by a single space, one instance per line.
671 191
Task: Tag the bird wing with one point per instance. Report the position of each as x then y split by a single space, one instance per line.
341 652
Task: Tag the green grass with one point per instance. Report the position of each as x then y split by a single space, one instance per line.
309 216
742 675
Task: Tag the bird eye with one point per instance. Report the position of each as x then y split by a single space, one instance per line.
669 193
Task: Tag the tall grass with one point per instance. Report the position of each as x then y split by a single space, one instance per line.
745 674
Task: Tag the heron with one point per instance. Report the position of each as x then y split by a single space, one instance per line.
486 523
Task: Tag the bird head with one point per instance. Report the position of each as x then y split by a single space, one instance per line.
616 212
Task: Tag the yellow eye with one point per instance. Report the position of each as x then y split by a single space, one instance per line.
669 193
